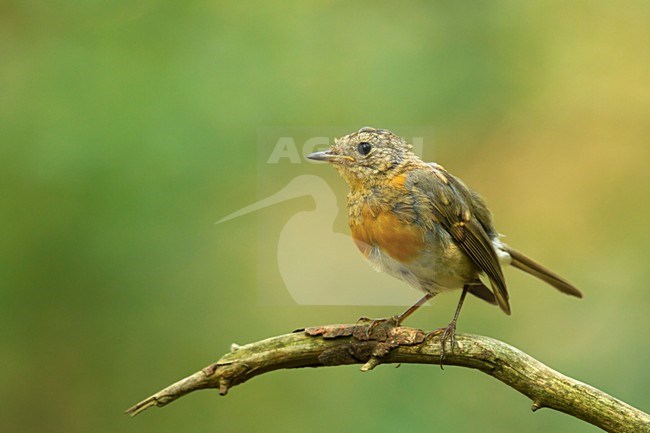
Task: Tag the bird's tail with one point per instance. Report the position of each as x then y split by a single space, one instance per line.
526 264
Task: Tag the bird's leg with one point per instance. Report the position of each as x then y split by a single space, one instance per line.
399 319
449 332
395 319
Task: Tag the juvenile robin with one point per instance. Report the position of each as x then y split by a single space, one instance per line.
419 223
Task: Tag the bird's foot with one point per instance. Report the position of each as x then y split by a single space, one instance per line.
448 333
373 324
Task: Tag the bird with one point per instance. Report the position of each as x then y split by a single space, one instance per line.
419 223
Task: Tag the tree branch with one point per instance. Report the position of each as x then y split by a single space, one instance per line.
332 345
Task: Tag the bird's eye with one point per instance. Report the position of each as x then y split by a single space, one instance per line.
364 148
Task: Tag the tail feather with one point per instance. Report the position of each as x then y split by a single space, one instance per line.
526 264
477 288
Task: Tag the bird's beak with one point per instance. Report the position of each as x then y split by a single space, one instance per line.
327 156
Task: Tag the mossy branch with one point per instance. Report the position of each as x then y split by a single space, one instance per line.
333 345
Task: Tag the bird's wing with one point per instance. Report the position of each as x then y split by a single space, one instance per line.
451 203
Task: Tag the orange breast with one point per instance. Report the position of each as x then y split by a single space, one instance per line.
400 240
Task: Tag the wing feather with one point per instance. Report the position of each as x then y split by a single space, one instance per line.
453 206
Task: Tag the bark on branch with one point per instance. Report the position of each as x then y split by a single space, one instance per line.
333 345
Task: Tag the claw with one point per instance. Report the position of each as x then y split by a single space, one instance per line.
376 322
448 333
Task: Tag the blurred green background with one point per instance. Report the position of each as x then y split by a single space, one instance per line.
128 128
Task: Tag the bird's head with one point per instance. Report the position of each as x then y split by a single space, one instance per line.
367 157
